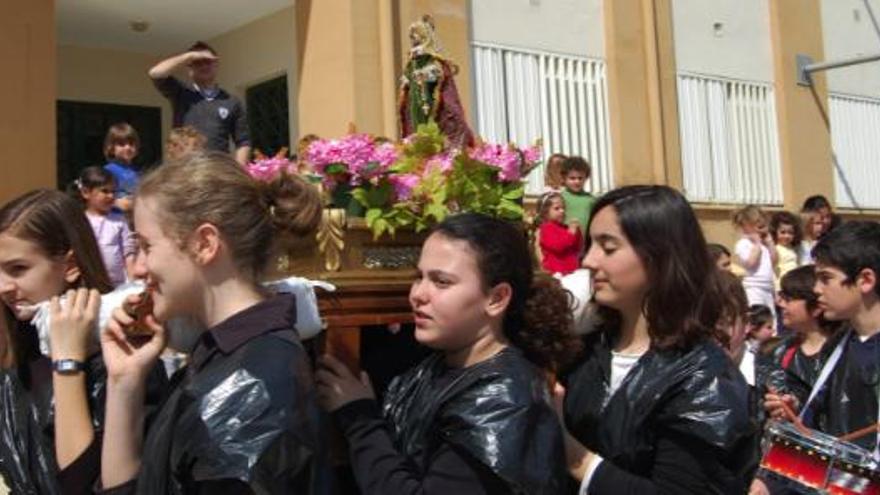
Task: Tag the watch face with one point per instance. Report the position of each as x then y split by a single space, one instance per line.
68 366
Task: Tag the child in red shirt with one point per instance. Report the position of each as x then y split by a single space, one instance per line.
561 244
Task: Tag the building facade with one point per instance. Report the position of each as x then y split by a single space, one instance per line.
700 95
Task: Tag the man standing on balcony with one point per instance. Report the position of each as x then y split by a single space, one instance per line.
201 103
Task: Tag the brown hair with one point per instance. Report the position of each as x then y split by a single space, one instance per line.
758 315
212 188
120 133
302 149
539 319
303 144
55 222
781 218
735 305
807 220
798 284
575 163
10 352
199 46
544 204
183 141
748 215
553 171
683 301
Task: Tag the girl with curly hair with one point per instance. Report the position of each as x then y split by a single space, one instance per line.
475 416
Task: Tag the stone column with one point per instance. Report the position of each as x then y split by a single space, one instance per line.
340 67
802 112
642 100
27 96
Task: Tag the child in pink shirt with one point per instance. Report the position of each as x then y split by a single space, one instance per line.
95 188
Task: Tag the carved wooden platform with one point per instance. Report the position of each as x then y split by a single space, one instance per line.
372 278
353 306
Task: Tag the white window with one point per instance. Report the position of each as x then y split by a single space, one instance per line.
855 142
729 140
524 95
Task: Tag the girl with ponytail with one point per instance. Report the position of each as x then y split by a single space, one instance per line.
241 417
475 416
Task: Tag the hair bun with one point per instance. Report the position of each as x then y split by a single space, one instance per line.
294 205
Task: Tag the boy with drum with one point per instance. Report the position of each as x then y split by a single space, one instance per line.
844 398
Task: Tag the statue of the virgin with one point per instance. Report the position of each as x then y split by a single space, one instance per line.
427 88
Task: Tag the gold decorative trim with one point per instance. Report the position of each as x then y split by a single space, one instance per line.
331 238
391 257
282 263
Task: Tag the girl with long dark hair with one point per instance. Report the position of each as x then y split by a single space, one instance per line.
655 405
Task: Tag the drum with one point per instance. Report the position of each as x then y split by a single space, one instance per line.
814 462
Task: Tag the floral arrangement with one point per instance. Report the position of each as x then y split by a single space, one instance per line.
354 160
265 168
420 181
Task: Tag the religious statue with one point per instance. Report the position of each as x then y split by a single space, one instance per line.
427 88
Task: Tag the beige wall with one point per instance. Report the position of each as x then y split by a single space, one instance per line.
562 26
258 51
740 49
109 76
27 96
849 32
717 225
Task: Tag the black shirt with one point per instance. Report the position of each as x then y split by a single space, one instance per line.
242 416
219 118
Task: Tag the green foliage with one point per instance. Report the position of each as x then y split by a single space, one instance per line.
425 143
336 168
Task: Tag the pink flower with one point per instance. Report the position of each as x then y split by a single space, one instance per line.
505 158
268 168
357 153
385 154
443 161
532 154
403 185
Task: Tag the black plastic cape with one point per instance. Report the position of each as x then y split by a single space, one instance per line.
96 388
697 395
849 399
27 462
239 418
28 413
497 411
798 377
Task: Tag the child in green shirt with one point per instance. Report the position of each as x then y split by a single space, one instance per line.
578 203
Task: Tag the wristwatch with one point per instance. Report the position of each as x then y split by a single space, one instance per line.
68 366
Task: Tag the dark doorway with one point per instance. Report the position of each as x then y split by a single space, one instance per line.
267 115
81 130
